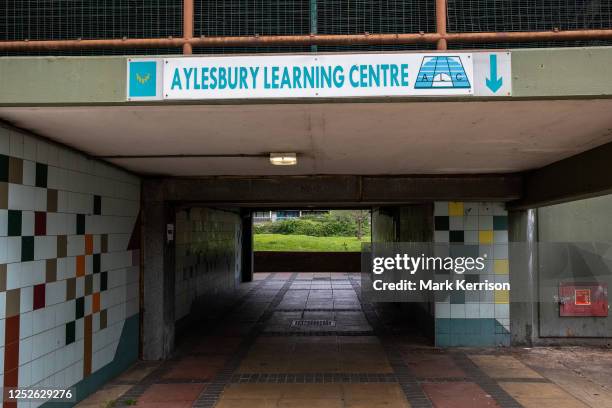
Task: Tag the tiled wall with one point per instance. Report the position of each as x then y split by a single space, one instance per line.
208 256
474 318
69 266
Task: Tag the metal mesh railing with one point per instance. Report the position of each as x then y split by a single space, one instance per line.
382 16
62 20
527 15
90 19
251 17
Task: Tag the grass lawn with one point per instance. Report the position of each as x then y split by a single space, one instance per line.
306 243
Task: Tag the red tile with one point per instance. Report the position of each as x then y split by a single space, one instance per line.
11 378
171 393
39 296
433 366
196 368
171 404
40 223
11 331
458 395
88 244
11 356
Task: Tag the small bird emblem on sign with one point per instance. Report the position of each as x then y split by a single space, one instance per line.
143 78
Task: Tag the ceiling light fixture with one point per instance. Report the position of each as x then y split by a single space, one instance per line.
283 159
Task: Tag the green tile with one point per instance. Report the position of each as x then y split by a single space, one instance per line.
103 281
14 223
97 205
27 249
41 175
4 168
80 307
500 223
80 224
96 263
457 297
70 332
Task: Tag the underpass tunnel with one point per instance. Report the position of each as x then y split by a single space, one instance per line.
224 286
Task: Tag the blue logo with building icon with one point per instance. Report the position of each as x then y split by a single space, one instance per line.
442 72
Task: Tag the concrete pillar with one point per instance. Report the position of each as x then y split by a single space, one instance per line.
523 237
247 245
158 276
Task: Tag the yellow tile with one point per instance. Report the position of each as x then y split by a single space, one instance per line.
485 237
501 267
455 208
503 367
537 395
502 296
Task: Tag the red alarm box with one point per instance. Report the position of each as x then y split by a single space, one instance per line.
583 299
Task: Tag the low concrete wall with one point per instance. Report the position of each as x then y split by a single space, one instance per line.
269 261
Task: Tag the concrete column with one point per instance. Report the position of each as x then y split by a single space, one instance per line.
159 274
247 245
523 237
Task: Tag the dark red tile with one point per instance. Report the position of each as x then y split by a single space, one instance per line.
171 393
458 395
39 296
196 368
40 223
11 356
11 330
433 366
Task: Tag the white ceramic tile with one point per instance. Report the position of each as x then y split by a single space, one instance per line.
26 298
25 351
3 222
500 237
13 275
485 222
472 310
456 223
29 173
5 141
16 144
27 223
441 236
441 208
45 247
25 325
29 148
487 310
457 311
443 310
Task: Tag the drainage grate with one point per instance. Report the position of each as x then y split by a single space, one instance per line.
313 323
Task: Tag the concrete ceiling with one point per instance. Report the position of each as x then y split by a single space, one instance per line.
330 138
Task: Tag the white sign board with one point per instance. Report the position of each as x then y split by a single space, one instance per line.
492 73
318 76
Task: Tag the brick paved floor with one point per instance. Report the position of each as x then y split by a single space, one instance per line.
256 356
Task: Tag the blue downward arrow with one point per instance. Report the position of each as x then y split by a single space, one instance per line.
493 82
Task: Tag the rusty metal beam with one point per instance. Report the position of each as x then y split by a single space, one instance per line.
313 39
441 24
187 26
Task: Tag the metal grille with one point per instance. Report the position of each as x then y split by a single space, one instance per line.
312 323
89 19
252 50
537 44
383 16
98 51
251 17
528 15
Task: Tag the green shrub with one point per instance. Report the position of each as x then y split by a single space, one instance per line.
339 223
